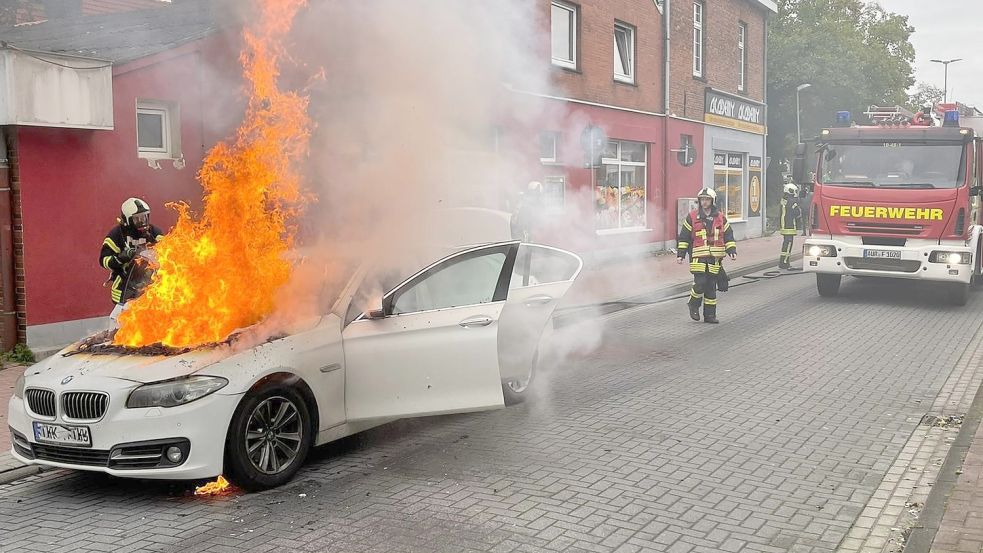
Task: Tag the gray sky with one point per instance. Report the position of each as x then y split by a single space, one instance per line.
946 29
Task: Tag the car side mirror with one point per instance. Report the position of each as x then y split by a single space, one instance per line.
799 164
377 309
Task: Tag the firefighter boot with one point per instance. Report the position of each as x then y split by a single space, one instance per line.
710 311
694 309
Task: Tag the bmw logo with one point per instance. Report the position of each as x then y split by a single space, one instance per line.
66 380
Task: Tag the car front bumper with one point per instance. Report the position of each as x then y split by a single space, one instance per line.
122 440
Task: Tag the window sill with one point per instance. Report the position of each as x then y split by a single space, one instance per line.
615 231
567 68
701 78
626 82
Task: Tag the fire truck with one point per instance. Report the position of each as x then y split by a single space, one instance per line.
898 198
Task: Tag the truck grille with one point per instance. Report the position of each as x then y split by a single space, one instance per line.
41 402
87 406
894 265
885 228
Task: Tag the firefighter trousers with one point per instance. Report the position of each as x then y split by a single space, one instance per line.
784 261
705 271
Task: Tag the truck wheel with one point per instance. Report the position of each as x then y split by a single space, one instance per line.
828 285
958 293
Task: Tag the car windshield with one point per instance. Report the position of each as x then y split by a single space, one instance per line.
892 165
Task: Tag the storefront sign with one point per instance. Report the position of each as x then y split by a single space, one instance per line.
732 111
754 186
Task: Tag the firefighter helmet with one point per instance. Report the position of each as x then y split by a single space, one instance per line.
707 192
791 189
135 214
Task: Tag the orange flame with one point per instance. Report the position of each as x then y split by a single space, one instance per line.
219 273
216 487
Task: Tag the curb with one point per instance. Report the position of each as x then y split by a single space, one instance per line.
14 474
927 527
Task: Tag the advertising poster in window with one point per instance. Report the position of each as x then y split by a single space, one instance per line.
735 187
754 186
554 188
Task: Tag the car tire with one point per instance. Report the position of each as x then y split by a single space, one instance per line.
958 293
828 285
260 455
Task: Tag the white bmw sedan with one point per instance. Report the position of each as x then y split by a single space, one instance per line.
462 334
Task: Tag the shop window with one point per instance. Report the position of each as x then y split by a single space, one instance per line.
548 147
729 182
620 185
624 53
563 34
158 130
554 192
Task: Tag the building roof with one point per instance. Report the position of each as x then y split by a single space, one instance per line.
123 36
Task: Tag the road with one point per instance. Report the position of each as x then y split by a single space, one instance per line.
768 432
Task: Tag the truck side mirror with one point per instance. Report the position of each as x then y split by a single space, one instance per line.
799 165
975 190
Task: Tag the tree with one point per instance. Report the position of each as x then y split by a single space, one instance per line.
924 94
853 53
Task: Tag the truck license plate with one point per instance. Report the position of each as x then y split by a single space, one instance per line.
62 434
883 254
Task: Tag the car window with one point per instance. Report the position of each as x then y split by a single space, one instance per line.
463 280
538 265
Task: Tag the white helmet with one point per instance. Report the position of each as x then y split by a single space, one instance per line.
135 213
791 189
707 192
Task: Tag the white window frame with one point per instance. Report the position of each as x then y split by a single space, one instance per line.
630 32
170 129
742 49
699 18
574 19
645 204
555 137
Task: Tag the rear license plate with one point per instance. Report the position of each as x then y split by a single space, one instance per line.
62 434
883 254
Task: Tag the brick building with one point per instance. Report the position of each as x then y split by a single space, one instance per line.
661 127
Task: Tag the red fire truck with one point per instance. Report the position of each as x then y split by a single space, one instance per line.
899 198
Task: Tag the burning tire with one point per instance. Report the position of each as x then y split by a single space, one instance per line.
269 438
828 285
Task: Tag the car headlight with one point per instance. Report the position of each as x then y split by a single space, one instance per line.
821 251
19 388
172 393
951 258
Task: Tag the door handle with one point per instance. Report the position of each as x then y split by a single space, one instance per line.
473 322
541 299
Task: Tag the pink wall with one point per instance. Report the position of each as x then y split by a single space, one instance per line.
73 181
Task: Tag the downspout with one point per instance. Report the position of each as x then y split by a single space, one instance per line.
8 304
764 138
667 31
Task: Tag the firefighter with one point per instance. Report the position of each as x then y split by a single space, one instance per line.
122 244
790 219
707 237
527 212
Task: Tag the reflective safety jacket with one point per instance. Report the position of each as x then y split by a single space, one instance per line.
791 215
705 235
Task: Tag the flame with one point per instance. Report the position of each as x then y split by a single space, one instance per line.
217 487
220 272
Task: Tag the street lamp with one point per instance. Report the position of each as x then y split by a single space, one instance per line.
945 86
798 125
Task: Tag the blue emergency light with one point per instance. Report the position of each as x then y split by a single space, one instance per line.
843 119
951 118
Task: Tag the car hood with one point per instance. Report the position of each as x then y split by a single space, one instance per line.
135 368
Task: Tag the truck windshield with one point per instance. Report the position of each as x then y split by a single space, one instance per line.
892 165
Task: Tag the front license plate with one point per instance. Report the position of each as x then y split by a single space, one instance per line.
883 254
62 434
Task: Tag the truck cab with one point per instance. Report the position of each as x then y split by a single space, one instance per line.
898 199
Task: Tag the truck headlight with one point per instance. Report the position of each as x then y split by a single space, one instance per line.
172 393
19 388
951 258
821 251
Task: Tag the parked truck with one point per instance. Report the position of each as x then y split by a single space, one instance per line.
897 198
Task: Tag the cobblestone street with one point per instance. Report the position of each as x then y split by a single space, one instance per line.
768 432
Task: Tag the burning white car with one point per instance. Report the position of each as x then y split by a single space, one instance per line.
460 335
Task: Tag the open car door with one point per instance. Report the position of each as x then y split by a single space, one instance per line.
540 277
434 347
